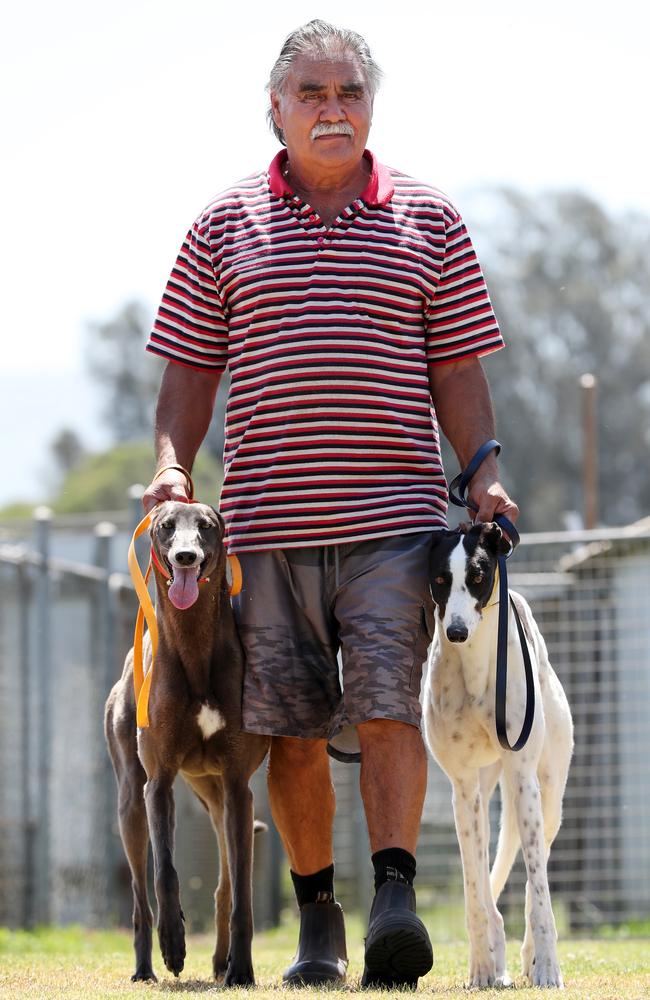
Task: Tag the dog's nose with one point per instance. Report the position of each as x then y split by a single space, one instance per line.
457 632
185 557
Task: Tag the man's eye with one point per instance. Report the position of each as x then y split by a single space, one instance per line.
352 97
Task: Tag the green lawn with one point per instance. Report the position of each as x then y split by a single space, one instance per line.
75 964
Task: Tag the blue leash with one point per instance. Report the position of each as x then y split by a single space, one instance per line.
457 494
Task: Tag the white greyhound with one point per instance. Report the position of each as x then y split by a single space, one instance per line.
459 722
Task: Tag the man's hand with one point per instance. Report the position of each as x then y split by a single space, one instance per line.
171 485
491 498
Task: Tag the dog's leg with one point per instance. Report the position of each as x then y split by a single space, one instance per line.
135 838
470 829
210 791
132 818
523 785
159 799
488 777
552 777
238 822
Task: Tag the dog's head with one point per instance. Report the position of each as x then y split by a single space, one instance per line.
462 568
187 539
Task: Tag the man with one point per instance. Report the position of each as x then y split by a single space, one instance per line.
344 298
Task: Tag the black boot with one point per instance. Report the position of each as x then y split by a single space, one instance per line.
398 949
322 955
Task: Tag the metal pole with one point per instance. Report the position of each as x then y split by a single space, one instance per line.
589 386
26 750
104 813
44 659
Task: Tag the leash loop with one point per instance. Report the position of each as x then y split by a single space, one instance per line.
457 495
461 484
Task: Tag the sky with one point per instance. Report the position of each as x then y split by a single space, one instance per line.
121 121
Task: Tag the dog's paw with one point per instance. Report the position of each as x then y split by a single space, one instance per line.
504 982
219 966
144 974
482 974
171 936
239 975
545 972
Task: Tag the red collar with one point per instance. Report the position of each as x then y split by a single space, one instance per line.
378 191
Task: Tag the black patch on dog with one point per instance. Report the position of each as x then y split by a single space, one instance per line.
482 544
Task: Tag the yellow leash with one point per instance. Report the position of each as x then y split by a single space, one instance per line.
146 611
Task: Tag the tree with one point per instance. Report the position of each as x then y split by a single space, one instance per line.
67 449
100 482
127 376
571 288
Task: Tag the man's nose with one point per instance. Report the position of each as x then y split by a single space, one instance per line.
332 110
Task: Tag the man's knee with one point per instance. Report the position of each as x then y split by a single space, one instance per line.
291 751
379 730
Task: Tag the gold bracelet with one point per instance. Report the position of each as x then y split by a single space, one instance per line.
178 468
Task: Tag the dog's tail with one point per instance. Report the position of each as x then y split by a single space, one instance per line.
508 845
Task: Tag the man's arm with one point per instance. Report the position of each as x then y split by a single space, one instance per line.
461 397
185 405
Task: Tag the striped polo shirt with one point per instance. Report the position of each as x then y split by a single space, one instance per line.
330 431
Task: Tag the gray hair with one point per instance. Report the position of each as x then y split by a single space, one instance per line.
318 38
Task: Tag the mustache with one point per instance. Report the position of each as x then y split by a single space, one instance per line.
331 128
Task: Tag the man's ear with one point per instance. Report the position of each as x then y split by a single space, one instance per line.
275 108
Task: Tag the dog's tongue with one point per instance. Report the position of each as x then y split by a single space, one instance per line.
184 588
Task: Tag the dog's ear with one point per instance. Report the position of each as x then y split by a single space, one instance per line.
439 535
222 523
495 540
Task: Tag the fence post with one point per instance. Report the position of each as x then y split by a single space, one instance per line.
29 914
104 640
44 659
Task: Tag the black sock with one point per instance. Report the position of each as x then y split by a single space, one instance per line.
315 888
393 865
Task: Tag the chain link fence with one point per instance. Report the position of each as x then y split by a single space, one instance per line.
65 628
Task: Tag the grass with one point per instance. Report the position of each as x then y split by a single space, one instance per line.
76 964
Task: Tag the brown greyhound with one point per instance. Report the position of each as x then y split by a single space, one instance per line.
195 729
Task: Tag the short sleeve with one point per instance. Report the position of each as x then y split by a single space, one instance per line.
460 321
191 326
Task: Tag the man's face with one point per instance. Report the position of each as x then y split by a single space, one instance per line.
323 95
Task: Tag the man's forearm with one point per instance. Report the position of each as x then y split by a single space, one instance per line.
463 405
183 413
461 397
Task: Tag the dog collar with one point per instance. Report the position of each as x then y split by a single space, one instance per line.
165 572
234 572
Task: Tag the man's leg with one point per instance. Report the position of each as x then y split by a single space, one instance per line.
302 801
393 782
393 786
385 617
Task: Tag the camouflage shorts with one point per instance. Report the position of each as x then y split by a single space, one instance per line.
299 607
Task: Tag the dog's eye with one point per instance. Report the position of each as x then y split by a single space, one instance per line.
478 577
205 525
167 526
440 580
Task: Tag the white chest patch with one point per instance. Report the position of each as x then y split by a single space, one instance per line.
210 721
